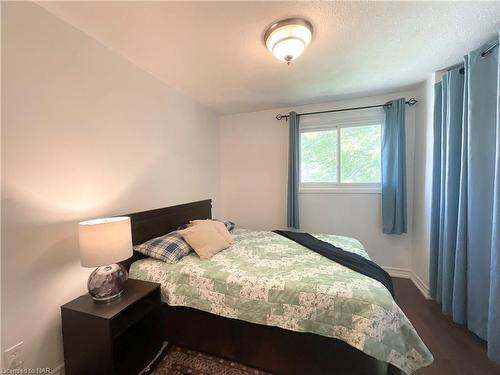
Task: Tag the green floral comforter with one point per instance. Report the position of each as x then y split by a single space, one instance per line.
265 278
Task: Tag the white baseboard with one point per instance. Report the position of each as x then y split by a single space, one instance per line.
398 272
58 370
408 274
423 287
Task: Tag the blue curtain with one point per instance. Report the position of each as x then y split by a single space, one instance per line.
293 172
394 168
465 222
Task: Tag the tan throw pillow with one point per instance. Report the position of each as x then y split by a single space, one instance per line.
204 239
218 226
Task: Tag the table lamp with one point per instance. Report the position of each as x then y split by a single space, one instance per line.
103 243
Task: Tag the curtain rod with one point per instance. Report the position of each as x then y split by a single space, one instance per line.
485 53
488 50
410 102
279 116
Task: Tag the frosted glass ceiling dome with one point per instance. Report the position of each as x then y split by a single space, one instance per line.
288 38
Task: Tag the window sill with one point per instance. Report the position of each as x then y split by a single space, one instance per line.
341 190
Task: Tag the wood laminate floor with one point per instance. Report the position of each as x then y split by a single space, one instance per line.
456 350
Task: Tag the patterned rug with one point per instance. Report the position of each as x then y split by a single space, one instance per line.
180 361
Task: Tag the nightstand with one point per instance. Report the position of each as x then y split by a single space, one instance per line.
121 337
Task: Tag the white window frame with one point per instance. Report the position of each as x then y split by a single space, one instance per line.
337 121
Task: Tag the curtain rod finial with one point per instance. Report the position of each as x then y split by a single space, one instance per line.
280 117
412 101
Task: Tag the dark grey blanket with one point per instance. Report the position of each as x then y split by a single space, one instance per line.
350 260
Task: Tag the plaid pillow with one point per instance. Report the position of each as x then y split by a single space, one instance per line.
229 225
169 248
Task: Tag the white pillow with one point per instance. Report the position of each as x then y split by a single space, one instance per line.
204 239
218 226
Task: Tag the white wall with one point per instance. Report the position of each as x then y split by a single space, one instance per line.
85 134
254 159
423 182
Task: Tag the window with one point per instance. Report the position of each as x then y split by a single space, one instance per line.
341 152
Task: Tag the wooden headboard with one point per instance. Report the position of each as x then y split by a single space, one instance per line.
153 223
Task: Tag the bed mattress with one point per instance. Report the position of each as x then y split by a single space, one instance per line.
265 278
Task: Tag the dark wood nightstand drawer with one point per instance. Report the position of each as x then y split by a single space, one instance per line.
134 313
119 338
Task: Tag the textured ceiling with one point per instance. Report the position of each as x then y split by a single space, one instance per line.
213 51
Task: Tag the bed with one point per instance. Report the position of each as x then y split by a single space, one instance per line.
270 303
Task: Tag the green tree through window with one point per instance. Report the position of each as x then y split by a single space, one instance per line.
360 154
359 150
319 156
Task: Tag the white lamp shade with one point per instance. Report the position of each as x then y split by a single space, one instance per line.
105 241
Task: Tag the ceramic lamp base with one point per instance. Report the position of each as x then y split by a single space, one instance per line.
106 283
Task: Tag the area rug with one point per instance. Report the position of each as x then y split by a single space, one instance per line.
181 361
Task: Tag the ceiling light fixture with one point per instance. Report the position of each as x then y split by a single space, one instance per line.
288 38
